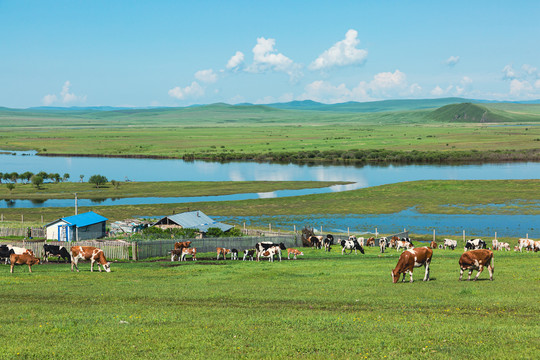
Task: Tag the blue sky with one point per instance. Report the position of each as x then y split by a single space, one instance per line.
178 53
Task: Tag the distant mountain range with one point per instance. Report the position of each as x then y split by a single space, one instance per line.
310 105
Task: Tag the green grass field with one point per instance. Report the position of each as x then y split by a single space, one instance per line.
322 306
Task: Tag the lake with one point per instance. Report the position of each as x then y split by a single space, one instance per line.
122 169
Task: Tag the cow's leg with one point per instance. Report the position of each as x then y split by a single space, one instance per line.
470 273
480 269
410 275
92 265
74 262
29 268
490 269
11 269
460 273
426 276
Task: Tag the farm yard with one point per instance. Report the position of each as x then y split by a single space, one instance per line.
323 305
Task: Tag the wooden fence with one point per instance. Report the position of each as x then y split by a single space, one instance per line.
34 232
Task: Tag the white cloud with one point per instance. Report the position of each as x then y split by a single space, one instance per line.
65 96
509 72
383 85
519 88
537 84
49 99
438 91
452 60
466 80
192 91
530 70
342 53
236 61
266 58
207 76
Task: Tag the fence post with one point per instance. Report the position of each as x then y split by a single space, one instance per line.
495 235
348 233
464 236
22 218
134 250
376 232
269 227
433 234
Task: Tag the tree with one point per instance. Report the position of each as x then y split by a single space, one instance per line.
115 183
65 177
13 177
82 177
37 181
56 177
98 180
26 176
1 177
10 187
214 232
43 175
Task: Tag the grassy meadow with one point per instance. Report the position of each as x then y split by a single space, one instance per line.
322 306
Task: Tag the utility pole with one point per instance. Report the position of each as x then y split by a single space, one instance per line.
76 204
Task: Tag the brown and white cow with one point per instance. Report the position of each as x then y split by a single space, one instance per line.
21 259
410 259
403 244
176 254
536 246
20 250
370 241
270 252
91 253
528 244
476 260
189 251
503 246
182 244
433 245
223 251
295 252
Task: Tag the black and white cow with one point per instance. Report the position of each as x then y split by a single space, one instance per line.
5 253
234 254
248 254
452 244
260 247
475 244
57 251
351 245
328 242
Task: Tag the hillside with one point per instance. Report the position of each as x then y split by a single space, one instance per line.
468 112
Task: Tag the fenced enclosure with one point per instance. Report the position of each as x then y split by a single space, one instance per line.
160 248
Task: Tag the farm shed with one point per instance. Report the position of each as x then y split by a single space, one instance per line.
84 226
191 220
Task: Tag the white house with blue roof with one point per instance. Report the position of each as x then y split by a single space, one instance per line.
191 220
84 226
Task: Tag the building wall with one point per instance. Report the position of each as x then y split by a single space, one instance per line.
94 231
52 230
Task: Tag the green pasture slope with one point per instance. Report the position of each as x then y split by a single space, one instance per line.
322 306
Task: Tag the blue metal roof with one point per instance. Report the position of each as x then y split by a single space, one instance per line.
196 220
85 219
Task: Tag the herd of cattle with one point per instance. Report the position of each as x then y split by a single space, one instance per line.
475 257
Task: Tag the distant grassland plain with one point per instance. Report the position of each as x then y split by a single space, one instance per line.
243 132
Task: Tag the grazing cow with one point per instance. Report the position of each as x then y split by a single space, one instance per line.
248 253
382 244
295 252
433 245
270 252
495 244
316 241
351 245
475 244
370 241
503 246
516 248
403 244
20 250
328 242
222 251
189 251
91 253
57 251
393 242
410 259
264 245
20 259
476 260
182 244
537 246
5 253
176 254
452 244
528 244
234 254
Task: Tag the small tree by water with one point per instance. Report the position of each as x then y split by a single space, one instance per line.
98 180
37 181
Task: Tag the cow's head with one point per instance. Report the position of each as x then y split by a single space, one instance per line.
395 275
282 246
107 267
